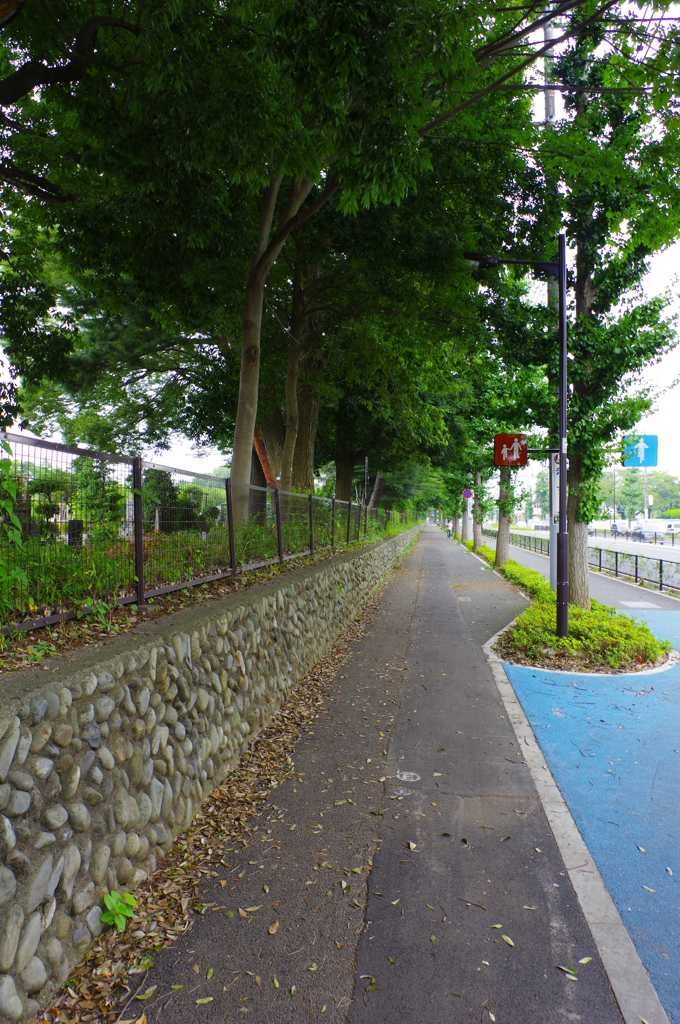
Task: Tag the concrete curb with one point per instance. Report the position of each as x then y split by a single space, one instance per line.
632 988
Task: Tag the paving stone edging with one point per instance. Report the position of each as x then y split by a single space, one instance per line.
106 760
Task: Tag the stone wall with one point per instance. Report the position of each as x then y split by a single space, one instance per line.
106 755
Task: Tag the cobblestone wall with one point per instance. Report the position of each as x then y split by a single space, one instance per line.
104 760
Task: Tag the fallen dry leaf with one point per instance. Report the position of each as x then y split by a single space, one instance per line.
506 938
148 993
273 928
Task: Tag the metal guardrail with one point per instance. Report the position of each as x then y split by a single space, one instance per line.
80 527
654 537
635 568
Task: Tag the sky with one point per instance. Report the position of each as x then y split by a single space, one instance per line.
665 376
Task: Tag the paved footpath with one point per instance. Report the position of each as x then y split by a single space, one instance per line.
408 860
613 746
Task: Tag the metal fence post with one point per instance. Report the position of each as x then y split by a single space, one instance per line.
660 574
279 533
333 521
138 513
616 563
636 568
311 524
365 520
230 526
349 518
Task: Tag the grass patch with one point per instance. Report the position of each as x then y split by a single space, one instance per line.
600 640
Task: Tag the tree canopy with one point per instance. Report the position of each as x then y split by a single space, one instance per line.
250 217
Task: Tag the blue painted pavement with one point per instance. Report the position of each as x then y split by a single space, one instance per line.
613 746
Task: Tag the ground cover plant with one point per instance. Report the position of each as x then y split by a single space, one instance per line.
600 638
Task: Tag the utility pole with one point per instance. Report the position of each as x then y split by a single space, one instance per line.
553 302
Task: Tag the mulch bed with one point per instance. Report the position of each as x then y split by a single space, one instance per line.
563 661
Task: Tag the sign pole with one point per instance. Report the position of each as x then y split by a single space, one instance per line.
553 484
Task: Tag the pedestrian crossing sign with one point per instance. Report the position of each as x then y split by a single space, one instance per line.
640 450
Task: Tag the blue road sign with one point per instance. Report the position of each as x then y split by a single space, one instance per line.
640 450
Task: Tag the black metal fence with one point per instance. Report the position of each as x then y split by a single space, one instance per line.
660 573
80 528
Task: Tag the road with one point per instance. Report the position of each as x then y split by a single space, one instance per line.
619 594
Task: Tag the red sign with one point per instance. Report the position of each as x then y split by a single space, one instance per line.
467 493
509 450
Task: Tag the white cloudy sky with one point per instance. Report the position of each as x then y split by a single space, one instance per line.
665 420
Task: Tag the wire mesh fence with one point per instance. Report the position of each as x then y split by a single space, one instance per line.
80 528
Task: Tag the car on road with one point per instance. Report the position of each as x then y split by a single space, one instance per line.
649 530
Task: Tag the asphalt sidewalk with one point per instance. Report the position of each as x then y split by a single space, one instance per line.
408 860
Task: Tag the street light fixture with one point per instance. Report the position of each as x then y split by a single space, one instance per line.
558 270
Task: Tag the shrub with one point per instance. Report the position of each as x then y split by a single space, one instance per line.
599 638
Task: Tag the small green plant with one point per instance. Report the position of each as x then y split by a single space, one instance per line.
40 650
119 907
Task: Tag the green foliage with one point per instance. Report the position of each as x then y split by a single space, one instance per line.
664 488
488 554
600 637
119 908
530 580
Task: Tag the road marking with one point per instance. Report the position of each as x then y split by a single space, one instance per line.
632 988
638 604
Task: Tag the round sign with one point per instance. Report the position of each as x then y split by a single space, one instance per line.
467 493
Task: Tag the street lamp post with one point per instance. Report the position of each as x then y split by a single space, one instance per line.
558 270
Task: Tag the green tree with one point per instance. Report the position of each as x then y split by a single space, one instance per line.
606 152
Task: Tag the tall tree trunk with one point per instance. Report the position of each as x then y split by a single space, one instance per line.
269 437
456 526
579 589
376 493
291 388
257 499
344 471
303 462
249 380
477 514
266 253
503 535
267 250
